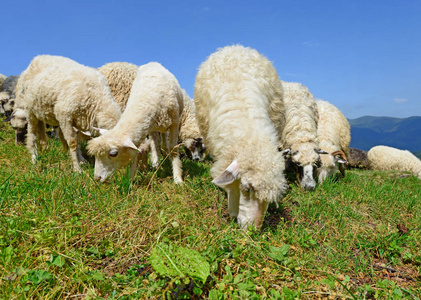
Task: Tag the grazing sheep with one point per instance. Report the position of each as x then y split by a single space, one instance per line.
18 119
155 104
120 77
61 92
237 94
7 95
357 158
299 138
392 159
334 135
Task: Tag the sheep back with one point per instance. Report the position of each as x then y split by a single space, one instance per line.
120 77
54 87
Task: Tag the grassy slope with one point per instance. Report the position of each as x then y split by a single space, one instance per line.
63 235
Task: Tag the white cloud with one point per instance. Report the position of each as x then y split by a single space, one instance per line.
400 100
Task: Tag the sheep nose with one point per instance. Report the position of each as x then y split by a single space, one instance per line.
98 178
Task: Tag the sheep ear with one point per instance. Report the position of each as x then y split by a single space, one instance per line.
340 160
286 153
86 133
320 151
128 143
228 176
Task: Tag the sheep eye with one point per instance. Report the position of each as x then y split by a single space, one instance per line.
113 153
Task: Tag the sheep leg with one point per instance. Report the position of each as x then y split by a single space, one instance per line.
153 145
70 136
233 193
42 135
66 146
175 157
62 139
31 138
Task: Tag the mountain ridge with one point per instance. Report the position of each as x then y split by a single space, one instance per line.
401 133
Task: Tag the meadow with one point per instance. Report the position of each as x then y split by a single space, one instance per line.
65 236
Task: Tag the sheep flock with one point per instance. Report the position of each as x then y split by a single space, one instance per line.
253 126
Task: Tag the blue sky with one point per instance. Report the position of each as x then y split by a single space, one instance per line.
362 56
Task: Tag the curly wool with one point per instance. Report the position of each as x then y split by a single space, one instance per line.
386 158
239 108
300 130
120 77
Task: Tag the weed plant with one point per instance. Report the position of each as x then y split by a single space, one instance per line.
63 235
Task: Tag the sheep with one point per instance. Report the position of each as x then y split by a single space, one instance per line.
357 158
389 159
155 104
7 95
120 77
190 134
237 95
58 91
334 135
18 119
299 138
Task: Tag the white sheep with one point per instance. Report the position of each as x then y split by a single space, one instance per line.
58 91
19 120
299 137
190 134
392 159
334 135
155 104
237 94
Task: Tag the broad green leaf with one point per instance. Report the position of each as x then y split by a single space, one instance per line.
172 261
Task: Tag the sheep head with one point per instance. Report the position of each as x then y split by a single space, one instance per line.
111 154
195 149
242 201
18 121
330 164
304 159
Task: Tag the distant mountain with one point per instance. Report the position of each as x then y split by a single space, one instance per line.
367 132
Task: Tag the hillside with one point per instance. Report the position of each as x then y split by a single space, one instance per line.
65 236
368 131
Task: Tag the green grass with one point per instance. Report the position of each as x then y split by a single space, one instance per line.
62 235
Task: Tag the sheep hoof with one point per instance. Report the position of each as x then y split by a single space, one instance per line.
178 181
